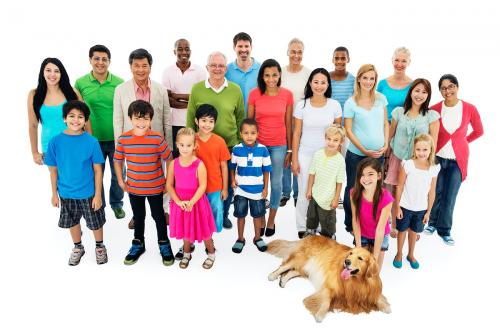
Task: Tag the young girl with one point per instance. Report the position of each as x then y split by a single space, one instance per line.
415 196
190 214
371 208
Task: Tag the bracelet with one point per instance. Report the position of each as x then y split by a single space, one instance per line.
288 150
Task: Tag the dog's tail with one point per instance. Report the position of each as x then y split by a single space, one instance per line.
281 248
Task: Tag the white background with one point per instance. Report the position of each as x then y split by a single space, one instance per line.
454 290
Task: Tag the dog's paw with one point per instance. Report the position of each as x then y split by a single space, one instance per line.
272 277
319 317
386 309
282 282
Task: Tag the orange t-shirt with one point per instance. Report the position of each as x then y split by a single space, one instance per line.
212 153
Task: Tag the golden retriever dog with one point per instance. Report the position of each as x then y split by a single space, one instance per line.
346 279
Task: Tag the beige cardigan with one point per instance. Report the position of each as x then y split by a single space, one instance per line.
162 119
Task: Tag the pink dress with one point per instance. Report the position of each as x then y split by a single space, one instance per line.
197 224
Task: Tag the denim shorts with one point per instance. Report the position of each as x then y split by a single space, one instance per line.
367 241
412 220
257 207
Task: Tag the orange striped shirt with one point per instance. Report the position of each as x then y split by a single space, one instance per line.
144 154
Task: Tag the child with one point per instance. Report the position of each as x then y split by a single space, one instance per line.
326 175
144 151
250 167
74 158
415 196
371 208
190 214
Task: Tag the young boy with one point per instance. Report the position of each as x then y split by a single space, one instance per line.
326 175
144 151
250 167
75 162
212 150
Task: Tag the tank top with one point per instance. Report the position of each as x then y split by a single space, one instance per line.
52 123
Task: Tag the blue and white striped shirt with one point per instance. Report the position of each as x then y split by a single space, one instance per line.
250 164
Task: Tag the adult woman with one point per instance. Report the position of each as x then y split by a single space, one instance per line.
45 105
294 78
271 106
310 118
395 88
365 119
452 153
408 121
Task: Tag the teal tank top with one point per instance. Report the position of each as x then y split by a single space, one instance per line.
52 123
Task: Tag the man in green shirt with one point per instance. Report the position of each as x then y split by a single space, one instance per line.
227 98
97 89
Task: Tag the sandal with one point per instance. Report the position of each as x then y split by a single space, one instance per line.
238 246
261 245
208 263
184 263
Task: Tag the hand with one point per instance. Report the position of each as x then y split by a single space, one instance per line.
399 213
38 158
55 200
234 184
96 202
373 154
295 168
188 205
426 217
223 194
335 204
123 185
288 159
181 204
309 194
264 194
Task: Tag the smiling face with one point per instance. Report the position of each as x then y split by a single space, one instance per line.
369 178
271 77
205 124
216 68
140 69
367 81
75 121
359 262
182 51
419 95
52 74
243 50
400 62
319 84
422 150
448 90
340 60
333 142
295 53
140 125
100 62
186 145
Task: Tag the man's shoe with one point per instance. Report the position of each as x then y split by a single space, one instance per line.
166 253
119 213
429 229
227 223
283 201
448 240
136 250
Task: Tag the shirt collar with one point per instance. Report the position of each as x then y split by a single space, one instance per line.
136 87
93 79
209 86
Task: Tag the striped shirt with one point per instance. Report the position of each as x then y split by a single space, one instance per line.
250 164
328 171
145 174
342 90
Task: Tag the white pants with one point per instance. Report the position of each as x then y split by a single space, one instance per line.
302 201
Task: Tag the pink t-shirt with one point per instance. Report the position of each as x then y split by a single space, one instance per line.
366 222
270 115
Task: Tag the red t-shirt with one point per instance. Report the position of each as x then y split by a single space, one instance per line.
270 115
212 153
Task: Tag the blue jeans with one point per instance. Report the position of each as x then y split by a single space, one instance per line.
277 154
230 190
217 208
115 192
289 181
448 183
351 164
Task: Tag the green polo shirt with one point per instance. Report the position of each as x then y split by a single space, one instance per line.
99 98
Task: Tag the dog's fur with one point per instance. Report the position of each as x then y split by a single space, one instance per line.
346 279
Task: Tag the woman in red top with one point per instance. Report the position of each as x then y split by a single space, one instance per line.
452 153
271 106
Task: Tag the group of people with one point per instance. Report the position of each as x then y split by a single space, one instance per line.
194 145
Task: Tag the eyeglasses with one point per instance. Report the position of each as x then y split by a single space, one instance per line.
103 59
296 52
448 88
216 66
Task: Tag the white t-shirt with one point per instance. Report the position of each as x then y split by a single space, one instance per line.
314 122
295 82
417 186
451 117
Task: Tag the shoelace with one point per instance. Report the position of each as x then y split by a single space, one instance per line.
134 249
165 251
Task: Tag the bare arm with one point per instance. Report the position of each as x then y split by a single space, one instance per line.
178 100
33 130
430 200
266 184
399 191
380 231
251 111
118 119
297 133
119 174
97 199
167 120
170 186
310 183
352 137
356 228
53 184
288 125
335 201
434 131
224 171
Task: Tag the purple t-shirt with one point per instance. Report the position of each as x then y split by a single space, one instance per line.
366 222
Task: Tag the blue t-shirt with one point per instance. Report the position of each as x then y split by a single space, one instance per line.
342 90
395 97
245 80
74 156
367 125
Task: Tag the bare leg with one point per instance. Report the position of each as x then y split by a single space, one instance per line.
257 224
76 233
186 247
412 238
401 242
209 244
380 260
270 219
98 234
241 228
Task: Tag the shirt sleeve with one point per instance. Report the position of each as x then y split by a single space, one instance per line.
234 160
341 176
406 166
163 149
252 97
50 156
386 198
337 112
435 170
432 116
312 166
97 152
298 111
191 109
224 154
349 108
119 154
289 100
266 161
396 113
166 80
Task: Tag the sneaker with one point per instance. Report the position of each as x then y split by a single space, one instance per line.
448 240
166 253
429 229
136 250
76 254
119 213
283 201
131 224
309 232
101 255
301 234
227 223
180 253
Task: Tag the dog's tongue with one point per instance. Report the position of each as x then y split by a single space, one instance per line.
346 274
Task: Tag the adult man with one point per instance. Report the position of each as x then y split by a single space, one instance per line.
179 79
142 87
227 98
244 70
97 89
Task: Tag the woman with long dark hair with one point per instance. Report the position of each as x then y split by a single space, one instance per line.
45 104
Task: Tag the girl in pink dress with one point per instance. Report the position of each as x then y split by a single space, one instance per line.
190 213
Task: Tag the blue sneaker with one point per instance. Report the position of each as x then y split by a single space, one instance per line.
136 250
448 240
429 229
166 253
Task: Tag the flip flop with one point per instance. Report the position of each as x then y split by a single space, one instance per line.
238 246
